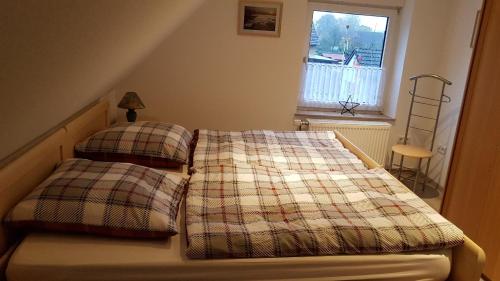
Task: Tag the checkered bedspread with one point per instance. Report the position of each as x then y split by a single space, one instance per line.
251 211
294 150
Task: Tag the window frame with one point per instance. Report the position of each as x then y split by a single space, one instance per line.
388 52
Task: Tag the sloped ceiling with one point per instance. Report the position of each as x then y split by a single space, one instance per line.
58 56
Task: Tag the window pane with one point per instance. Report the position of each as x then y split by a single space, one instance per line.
345 59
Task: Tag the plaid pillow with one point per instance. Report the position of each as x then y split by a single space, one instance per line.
152 144
114 199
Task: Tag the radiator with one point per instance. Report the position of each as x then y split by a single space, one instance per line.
371 137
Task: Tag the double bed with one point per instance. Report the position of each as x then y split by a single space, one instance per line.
55 256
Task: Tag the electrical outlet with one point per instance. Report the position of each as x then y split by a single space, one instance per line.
442 149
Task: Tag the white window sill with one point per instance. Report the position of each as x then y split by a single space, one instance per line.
314 113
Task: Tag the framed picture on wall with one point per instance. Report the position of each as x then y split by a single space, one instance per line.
259 18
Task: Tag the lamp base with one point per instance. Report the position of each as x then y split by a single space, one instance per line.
131 115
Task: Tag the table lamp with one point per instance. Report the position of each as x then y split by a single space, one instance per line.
131 101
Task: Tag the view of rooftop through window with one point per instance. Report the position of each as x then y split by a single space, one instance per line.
345 60
347 39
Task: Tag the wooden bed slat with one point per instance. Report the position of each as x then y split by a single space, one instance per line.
369 162
19 177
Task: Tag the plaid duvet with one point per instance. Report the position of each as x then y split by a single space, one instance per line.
247 211
114 199
150 139
294 150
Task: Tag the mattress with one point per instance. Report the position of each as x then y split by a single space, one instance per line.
57 257
45 257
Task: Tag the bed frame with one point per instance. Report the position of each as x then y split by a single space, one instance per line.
20 176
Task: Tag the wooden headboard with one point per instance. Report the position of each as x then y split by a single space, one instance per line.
20 176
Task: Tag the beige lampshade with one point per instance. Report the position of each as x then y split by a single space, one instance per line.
131 101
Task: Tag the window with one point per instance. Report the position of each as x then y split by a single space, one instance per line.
346 58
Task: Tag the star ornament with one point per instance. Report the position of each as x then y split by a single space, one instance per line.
348 106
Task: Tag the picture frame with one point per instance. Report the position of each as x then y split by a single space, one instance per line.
259 18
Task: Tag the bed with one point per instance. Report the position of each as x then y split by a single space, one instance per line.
49 256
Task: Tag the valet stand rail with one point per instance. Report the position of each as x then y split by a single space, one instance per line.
414 151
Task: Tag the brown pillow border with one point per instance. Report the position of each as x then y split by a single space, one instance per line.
29 226
192 147
148 161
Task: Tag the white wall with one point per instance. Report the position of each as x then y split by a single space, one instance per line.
456 58
439 36
59 56
393 86
205 75
426 28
